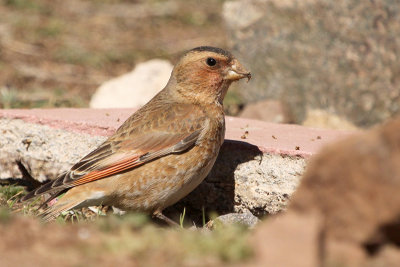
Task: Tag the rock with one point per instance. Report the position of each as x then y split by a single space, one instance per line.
337 56
265 110
289 240
246 219
133 89
45 151
323 119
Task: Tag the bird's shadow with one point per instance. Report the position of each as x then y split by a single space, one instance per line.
216 194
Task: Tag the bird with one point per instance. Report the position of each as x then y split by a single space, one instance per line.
161 152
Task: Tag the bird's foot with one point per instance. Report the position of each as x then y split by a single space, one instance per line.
159 215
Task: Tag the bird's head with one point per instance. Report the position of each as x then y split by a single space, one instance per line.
205 73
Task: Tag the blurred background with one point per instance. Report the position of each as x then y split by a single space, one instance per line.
56 53
331 64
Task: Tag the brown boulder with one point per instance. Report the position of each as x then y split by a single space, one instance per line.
355 185
346 211
266 110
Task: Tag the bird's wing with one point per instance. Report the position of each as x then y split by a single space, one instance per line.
134 144
129 154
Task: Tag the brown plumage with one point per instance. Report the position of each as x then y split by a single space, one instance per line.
164 150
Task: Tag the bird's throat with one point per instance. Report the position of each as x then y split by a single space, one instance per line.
223 90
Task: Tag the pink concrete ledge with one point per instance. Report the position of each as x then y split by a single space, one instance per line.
268 137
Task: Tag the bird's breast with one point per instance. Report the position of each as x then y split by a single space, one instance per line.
213 134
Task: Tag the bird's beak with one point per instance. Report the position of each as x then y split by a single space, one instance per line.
236 72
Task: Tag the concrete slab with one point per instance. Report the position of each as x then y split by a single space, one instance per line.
269 137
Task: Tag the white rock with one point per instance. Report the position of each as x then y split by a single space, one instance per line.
135 88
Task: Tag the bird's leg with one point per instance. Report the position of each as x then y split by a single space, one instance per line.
158 214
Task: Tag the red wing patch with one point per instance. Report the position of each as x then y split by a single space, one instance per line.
113 169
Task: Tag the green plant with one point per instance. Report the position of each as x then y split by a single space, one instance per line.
182 217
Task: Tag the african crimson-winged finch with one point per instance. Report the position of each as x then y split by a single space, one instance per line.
163 151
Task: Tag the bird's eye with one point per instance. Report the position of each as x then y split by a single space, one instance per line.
211 61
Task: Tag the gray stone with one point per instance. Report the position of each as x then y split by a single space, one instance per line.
338 56
246 219
135 88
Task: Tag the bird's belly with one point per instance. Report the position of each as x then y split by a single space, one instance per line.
192 178
164 181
